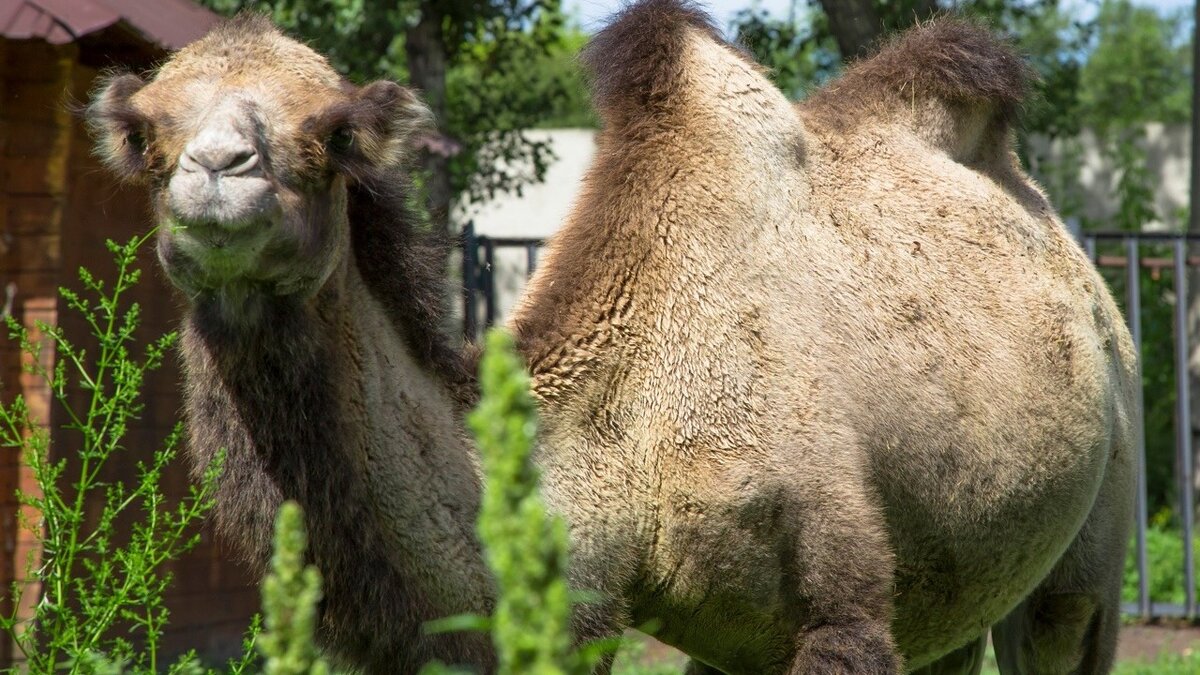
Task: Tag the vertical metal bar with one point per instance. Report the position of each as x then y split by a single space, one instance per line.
1183 426
531 256
1089 245
1133 313
470 279
1194 196
489 285
1075 227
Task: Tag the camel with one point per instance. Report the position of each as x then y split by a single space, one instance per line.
823 388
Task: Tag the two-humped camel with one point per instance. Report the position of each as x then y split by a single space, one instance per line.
824 388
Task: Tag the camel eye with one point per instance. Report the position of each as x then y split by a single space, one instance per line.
138 140
340 140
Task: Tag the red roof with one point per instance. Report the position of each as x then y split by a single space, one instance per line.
166 23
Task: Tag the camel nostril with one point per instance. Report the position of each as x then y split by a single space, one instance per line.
241 163
218 157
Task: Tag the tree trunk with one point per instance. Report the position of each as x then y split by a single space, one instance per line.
855 25
425 47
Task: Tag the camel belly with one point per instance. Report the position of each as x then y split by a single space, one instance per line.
985 464
973 536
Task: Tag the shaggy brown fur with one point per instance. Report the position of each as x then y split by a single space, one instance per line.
636 60
952 59
814 349
950 81
306 450
405 268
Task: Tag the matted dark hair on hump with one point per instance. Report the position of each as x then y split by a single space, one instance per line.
637 60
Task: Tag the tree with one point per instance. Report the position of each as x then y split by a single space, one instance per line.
857 25
799 51
1137 72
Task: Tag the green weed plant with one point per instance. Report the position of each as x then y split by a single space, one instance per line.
99 587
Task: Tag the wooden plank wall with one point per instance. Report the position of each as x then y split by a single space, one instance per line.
57 208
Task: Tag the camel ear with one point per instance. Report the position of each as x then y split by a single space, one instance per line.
121 132
377 128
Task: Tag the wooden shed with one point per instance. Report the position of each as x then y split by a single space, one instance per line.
57 208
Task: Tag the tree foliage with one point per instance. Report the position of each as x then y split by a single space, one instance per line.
1138 71
1107 67
799 51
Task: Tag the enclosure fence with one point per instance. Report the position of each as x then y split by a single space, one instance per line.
1123 258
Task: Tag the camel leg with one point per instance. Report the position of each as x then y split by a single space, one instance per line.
1069 624
847 604
966 660
845 600
848 649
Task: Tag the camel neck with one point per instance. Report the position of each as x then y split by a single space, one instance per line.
322 402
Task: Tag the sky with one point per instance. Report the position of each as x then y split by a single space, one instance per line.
593 13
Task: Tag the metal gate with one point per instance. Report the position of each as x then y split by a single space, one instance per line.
480 309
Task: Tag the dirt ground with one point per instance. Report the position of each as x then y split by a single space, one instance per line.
1144 643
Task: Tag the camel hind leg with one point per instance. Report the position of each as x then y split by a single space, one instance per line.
1068 625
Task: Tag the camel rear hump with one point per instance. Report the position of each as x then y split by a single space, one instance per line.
954 81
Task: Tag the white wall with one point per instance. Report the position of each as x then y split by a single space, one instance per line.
542 207
538 212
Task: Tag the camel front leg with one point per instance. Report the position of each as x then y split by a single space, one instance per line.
842 570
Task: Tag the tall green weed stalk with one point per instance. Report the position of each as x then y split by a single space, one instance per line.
525 546
99 587
291 593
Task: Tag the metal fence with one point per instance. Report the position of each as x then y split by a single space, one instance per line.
1123 257
480 306
1111 252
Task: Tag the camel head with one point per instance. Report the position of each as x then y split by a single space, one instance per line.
247 140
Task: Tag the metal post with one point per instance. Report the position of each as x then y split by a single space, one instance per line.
1133 313
1183 426
531 255
489 281
1089 245
470 278
1194 197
